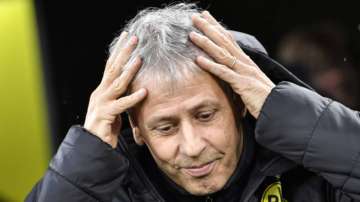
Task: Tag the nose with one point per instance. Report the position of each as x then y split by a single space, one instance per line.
192 143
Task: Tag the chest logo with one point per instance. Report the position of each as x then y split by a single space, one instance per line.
273 193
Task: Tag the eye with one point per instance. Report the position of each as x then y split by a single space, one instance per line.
206 115
166 128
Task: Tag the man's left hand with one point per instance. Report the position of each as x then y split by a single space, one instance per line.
230 63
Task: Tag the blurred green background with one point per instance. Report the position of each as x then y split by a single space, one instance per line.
24 152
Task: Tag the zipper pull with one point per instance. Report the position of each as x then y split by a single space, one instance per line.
208 199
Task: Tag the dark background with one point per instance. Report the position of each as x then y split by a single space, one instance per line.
75 36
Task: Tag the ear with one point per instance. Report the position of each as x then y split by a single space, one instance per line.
136 133
137 136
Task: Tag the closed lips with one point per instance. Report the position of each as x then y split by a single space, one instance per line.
200 171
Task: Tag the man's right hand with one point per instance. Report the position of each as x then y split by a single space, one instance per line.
107 101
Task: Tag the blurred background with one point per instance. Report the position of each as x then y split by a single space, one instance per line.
52 54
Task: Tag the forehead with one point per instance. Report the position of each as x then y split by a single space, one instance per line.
192 91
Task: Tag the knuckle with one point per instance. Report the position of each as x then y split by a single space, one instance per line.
221 69
118 85
227 74
223 37
226 41
120 106
108 75
253 73
247 59
111 69
223 56
229 35
94 94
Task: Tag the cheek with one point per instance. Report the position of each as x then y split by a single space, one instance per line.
164 149
223 134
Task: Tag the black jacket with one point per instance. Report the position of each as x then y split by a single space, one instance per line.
307 149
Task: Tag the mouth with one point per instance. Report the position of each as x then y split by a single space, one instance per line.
200 171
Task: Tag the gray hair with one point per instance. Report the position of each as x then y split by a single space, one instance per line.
164 46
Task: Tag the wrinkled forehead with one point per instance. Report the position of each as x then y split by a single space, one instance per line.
179 96
170 81
167 79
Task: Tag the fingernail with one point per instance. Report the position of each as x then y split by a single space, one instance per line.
133 39
142 91
200 58
195 15
139 60
205 12
123 34
194 34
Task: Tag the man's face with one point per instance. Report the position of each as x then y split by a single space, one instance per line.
191 132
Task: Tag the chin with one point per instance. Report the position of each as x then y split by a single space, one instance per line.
204 187
203 192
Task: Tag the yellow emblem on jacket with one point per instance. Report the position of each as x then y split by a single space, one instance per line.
273 193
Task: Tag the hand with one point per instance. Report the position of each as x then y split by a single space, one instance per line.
103 116
230 63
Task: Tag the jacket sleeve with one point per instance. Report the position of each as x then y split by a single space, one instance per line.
84 169
320 134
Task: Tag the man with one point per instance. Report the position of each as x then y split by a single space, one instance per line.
196 101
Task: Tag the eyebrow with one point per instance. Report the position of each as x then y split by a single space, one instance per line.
196 107
206 103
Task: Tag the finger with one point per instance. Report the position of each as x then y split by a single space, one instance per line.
218 70
217 53
116 49
223 57
120 84
215 35
210 18
218 37
207 16
119 62
124 103
239 83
